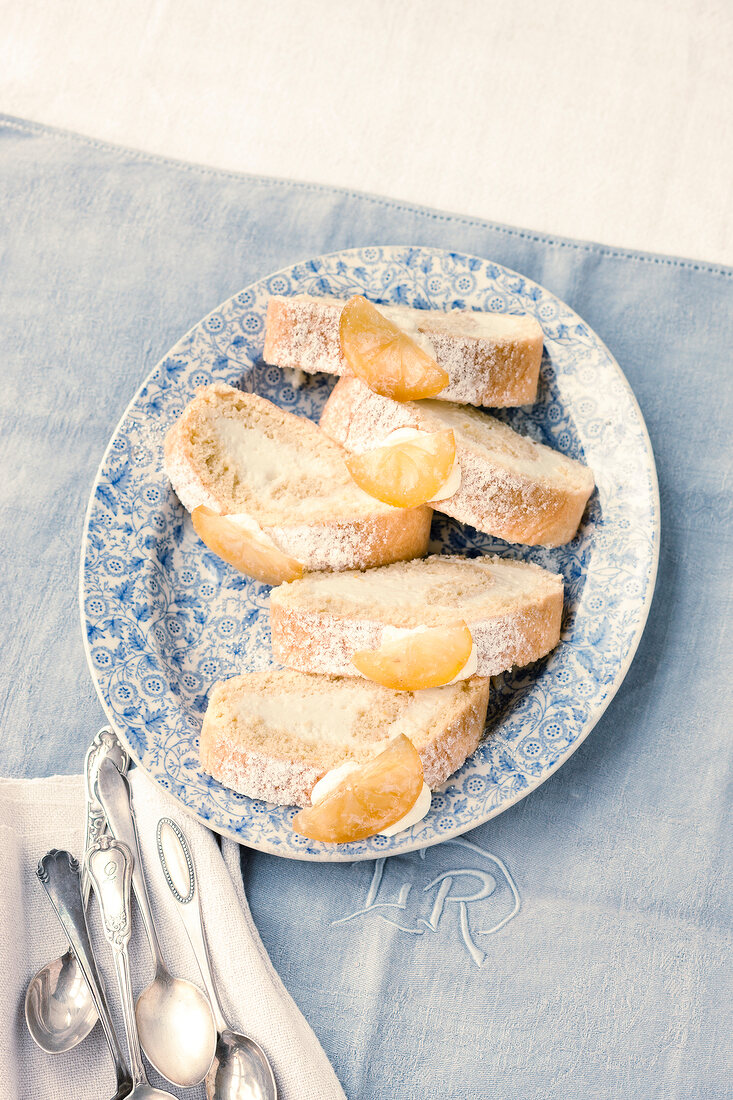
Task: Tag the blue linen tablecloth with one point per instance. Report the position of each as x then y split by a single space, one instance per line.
595 963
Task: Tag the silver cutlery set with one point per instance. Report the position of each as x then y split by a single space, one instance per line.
181 1030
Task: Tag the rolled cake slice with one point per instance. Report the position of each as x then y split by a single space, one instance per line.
513 610
510 486
274 734
280 485
490 358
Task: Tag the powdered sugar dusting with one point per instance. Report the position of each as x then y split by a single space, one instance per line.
361 543
319 643
262 775
442 756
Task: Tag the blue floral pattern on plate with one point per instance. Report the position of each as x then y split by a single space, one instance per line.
163 618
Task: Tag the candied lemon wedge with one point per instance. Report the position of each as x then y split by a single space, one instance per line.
406 474
243 549
369 799
385 357
427 659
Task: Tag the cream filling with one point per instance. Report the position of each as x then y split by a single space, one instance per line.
393 633
318 718
407 323
416 813
478 323
453 482
252 528
331 780
264 462
519 453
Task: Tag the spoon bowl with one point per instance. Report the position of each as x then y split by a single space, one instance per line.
240 1070
59 1010
173 1016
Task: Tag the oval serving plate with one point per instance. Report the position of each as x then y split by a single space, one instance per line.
163 618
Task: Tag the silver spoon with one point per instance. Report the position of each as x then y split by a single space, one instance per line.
174 1019
240 1070
59 875
109 864
59 1008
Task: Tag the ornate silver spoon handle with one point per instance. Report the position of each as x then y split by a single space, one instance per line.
105 745
58 872
110 869
114 794
177 863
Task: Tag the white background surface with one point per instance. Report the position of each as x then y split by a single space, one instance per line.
611 121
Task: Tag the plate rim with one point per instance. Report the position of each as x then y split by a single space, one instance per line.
336 855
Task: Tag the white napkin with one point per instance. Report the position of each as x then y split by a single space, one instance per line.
39 814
